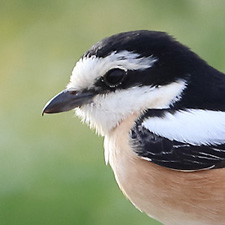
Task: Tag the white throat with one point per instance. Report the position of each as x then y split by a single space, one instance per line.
107 111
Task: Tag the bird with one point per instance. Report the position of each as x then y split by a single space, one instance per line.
161 110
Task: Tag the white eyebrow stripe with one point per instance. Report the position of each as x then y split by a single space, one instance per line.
89 69
132 61
193 126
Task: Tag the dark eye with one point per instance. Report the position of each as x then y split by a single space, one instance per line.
114 77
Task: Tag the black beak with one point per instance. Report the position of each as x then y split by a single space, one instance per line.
67 100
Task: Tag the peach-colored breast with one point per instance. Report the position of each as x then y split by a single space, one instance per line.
172 197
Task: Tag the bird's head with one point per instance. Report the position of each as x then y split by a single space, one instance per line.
124 74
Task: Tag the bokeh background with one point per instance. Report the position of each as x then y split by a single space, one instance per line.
52 169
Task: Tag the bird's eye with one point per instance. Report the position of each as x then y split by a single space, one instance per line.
114 77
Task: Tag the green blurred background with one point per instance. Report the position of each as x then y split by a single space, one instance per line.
52 169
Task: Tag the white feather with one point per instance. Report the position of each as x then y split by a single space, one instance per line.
191 126
89 69
107 111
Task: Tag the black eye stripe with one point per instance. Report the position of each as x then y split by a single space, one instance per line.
114 77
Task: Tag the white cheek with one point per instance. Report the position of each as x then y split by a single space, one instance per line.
107 111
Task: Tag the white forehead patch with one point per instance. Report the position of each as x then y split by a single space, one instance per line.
89 69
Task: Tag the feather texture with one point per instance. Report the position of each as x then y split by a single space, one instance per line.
184 140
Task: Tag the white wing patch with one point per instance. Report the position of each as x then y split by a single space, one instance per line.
88 69
191 126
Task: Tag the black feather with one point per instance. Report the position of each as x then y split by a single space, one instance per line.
173 154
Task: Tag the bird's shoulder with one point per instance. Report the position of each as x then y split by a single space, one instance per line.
186 140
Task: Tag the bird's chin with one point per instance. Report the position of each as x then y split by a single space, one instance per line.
87 117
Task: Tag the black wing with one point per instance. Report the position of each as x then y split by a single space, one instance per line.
173 154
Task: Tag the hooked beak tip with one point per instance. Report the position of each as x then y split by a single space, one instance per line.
46 108
66 100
